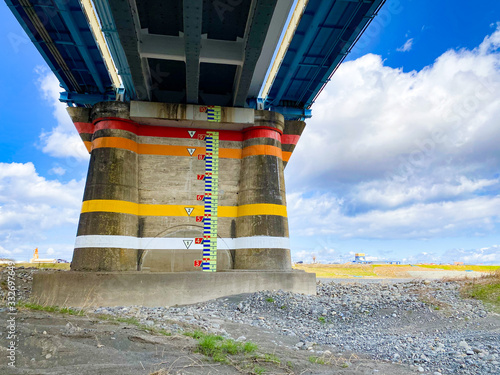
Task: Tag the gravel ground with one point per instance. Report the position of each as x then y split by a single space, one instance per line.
423 325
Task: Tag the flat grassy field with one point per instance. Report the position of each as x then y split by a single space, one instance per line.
486 289
56 266
334 271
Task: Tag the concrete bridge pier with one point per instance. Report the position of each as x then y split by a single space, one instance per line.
143 224
263 183
112 177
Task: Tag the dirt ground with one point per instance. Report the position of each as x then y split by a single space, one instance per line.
53 343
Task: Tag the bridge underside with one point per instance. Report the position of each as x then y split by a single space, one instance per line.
190 110
263 54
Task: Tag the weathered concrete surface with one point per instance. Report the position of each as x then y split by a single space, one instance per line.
189 115
139 175
293 128
93 289
262 182
181 260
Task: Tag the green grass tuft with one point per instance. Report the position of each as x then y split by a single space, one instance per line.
250 347
57 309
486 289
271 358
218 348
318 360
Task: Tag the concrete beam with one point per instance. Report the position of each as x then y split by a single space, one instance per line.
165 114
212 51
94 289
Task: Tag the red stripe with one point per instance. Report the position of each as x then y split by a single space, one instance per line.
162 131
84 127
119 124
262 127
289 139
262 133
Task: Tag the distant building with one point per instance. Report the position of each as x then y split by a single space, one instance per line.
36 259
359 258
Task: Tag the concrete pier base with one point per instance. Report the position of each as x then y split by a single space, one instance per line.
95 289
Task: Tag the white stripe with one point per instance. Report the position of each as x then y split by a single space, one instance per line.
151 243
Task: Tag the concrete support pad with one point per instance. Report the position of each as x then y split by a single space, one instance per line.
94 289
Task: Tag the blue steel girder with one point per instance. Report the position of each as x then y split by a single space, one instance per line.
122 28
110 32
60 32
326 33
192 17
260 17
67 15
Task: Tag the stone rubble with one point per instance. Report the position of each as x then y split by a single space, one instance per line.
425 325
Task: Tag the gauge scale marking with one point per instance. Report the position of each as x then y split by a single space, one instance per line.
211 201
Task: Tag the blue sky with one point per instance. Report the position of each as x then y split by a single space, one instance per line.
400 159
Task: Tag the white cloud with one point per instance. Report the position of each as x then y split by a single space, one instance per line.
402 155
60 171
63 140
322 214
484 255
34 210
406 47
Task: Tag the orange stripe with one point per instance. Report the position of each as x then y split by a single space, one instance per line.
229 153
149 149
115 142
262 150
88 145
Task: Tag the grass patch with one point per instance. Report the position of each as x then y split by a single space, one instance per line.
318 360
196 334
130 320
133 321
55 266
460 267
347 270
271 358
269 299
322 319
336 270
108 318
250 347
218 348
57 309
486 289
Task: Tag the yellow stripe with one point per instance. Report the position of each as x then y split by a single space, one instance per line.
124 207
262 209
